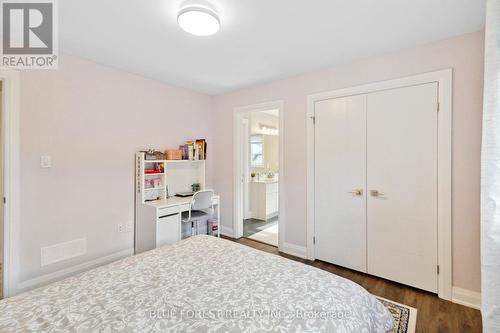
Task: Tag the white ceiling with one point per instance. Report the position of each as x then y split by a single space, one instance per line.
259 40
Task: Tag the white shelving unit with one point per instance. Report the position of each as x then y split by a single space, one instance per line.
174 176
157 210
145 188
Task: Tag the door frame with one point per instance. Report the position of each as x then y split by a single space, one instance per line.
246 169
444 78
10 132
241 113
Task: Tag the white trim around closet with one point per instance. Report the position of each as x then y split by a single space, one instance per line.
444 78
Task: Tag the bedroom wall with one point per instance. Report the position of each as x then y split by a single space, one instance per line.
92 119
464 54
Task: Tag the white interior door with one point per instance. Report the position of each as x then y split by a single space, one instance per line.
402 167
340 171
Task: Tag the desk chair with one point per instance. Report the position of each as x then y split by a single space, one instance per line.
200 208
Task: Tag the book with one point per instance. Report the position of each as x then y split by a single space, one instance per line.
194 150
190 149
201 145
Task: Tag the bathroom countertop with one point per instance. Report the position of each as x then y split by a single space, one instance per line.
265 181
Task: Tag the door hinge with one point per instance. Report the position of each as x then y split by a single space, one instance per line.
438 269
438 106
314 239
4 200
313 118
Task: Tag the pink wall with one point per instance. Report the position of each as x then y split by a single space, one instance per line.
92 119
464 54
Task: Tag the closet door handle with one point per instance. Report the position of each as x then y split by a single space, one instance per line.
357 192
376 193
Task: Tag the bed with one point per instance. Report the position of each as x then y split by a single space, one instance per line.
201 284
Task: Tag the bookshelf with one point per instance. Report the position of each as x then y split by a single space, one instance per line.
170 175
151 183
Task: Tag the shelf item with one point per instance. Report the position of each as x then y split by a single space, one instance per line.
152 172
173 154
153 155
154 188
152 183
194 150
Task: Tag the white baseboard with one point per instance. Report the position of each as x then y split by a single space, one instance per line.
226 231
66 272
294 250
466 297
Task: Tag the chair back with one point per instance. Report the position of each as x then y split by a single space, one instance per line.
202 200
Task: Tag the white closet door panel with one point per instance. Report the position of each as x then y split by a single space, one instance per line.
340 168
402 166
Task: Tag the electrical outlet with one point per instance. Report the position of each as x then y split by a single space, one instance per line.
125 227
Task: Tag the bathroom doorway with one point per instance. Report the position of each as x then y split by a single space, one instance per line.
259 175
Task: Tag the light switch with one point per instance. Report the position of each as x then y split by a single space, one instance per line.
45 161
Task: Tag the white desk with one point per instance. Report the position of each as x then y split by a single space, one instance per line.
159 222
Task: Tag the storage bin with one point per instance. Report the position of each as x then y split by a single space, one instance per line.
152 155
201 227
186 230
173 154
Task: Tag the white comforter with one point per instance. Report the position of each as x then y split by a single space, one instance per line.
201 284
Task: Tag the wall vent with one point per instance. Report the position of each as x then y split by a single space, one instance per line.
63 251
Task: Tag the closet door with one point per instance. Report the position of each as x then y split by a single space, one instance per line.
340 178
402 185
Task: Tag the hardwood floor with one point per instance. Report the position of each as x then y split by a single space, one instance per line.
434 315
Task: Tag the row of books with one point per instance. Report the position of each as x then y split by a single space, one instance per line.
194 150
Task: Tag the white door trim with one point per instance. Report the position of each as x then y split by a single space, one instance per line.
444 78
239 114
247 214
10 131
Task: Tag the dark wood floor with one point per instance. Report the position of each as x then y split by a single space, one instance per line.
434 315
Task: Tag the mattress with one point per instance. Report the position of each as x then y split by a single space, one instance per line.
201 284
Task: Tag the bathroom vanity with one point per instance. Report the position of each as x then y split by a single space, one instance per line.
264 198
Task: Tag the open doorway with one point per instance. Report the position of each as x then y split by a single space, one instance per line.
257 200
261 205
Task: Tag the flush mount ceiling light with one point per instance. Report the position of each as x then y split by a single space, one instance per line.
198 20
